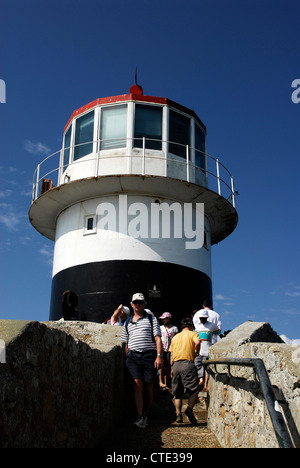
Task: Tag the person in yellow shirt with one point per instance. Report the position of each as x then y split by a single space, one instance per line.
184 347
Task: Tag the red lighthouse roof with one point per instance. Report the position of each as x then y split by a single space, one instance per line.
136 94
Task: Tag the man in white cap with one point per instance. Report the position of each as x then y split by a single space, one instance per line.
206 330
142 336
213 317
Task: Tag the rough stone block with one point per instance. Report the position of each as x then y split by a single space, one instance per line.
238 414
61 385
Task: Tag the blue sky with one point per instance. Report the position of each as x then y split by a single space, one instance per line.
232 62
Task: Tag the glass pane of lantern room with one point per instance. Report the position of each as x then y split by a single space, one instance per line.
84 135
113 129
200 147
67 144
148 124
179 132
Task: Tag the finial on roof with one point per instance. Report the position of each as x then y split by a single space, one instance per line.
136 89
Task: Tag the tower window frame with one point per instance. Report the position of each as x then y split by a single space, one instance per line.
84 135
148 124
115 136
179 133
200 146
67 147
90 224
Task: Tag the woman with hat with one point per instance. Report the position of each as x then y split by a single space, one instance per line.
168 331
119 316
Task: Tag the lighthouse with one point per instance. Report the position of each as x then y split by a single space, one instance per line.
134 203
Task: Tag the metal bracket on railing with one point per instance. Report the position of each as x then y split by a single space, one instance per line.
229 373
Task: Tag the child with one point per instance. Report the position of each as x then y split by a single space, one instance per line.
168 331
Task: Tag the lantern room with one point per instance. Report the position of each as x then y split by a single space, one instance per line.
134 134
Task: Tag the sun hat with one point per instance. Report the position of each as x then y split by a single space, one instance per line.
165 315
126 310
202 313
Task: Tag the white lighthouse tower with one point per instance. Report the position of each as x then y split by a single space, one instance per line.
136 205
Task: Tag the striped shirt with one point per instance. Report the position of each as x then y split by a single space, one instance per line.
138 335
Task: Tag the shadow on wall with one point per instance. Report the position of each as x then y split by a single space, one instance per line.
55 389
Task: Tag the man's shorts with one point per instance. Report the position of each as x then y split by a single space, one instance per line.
185 379
141 365
199 365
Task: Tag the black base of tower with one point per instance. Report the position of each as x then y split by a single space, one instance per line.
102 286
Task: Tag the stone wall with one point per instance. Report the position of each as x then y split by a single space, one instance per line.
238 415
61 385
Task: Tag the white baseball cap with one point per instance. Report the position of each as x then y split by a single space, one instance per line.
138 297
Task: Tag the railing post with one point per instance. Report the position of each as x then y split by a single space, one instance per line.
279 425
232 189
37 181
144 151
218 175
187 164
60 166
33 189
98 156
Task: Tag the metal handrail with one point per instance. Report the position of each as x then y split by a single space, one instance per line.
37 178
279 425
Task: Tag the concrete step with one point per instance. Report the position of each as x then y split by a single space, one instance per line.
200 410
164 408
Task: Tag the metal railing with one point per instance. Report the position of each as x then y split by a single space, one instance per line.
278 422
210 169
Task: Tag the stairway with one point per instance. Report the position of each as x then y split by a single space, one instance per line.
163 431
181 435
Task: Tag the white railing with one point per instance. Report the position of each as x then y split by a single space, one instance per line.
213 175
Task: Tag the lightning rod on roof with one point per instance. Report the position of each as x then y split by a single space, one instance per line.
136 89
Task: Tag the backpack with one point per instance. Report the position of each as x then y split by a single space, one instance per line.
150 318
